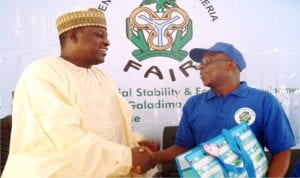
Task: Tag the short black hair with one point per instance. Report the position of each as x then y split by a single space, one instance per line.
63 37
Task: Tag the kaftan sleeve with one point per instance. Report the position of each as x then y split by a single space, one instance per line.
48 136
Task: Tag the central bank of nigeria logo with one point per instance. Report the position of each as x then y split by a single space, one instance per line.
159 28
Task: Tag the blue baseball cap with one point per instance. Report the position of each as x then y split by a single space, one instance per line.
196 54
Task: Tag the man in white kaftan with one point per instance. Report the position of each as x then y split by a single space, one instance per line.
69 121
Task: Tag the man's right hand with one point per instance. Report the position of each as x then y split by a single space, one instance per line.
142 160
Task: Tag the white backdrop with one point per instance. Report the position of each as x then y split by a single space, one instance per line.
266 31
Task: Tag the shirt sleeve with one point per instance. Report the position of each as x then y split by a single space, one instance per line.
278 135
184 136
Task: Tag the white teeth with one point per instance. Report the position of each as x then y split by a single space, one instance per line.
103 51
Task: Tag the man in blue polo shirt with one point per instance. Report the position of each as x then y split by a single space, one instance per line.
228 103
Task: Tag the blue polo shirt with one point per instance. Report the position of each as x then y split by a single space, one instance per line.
206 115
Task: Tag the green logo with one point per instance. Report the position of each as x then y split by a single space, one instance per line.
245 116
159 28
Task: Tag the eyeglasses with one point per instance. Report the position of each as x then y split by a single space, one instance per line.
208 61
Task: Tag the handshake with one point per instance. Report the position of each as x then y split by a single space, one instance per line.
142 157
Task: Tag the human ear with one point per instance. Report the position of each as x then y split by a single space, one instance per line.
232 66
73 36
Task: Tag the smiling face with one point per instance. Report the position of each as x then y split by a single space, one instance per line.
214 69
84 46
92 44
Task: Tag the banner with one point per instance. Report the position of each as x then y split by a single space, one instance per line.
150 41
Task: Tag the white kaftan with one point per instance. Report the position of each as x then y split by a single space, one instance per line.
68 122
